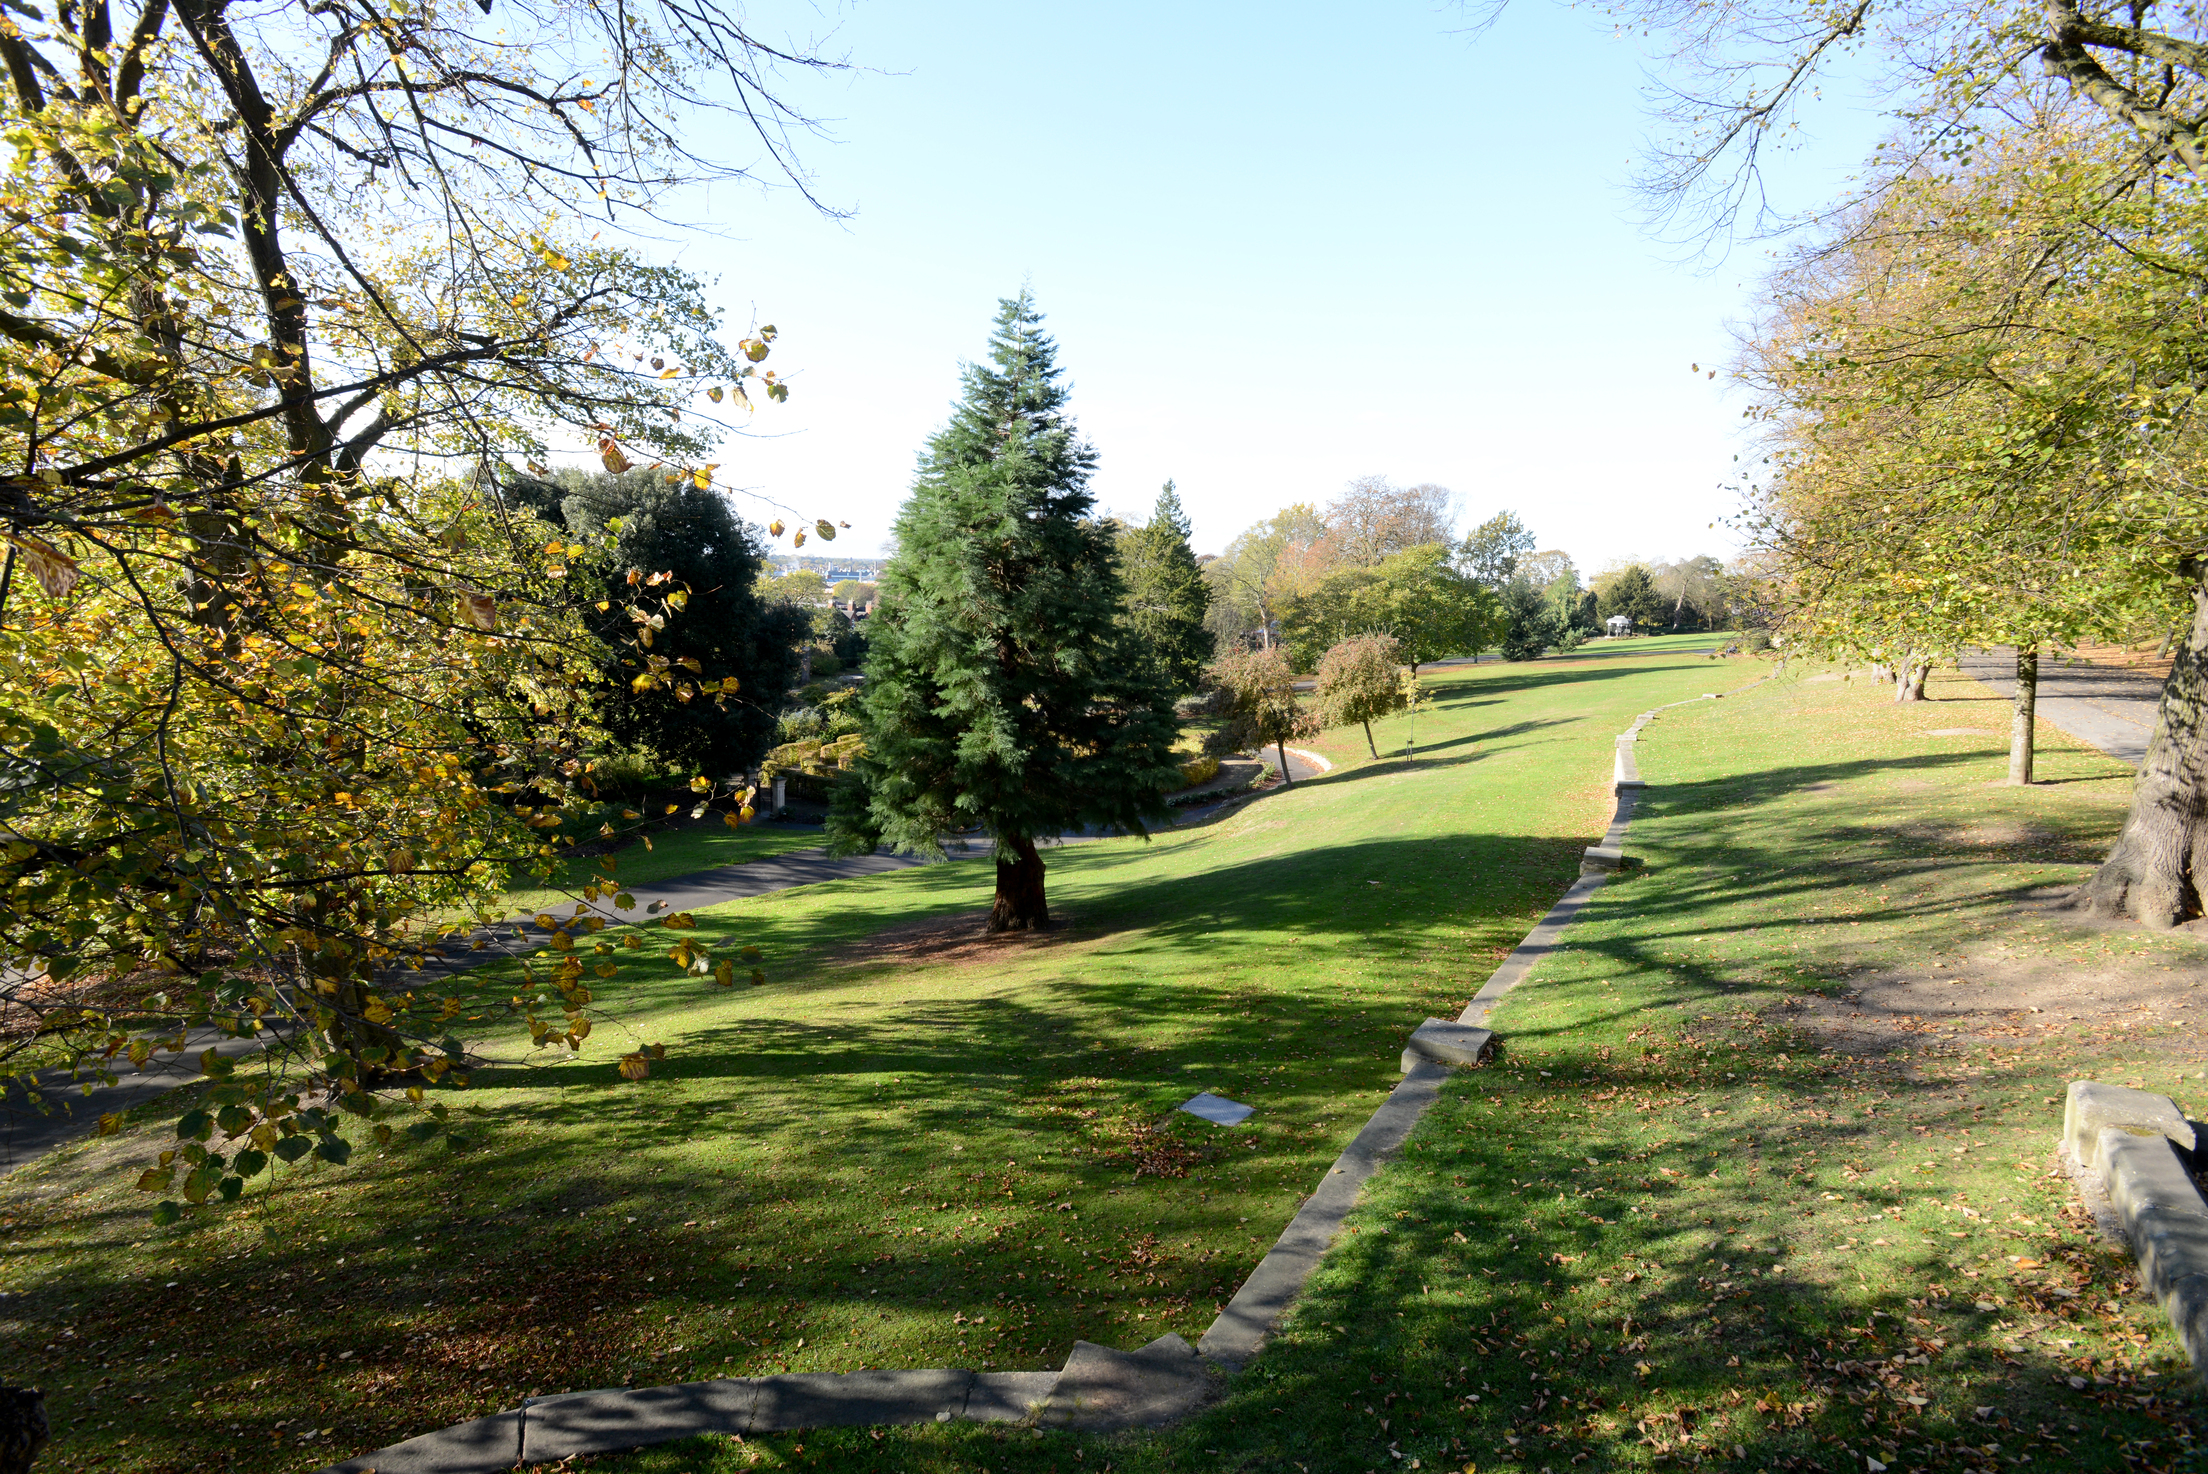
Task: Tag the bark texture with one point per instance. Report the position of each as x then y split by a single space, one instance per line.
2023 711
1020 903
2152 873
23 1428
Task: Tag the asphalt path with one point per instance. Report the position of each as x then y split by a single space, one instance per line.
72 1110
2106 706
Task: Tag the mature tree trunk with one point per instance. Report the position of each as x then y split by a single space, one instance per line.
1909 679
1281 747
1878 671
23 1428
1020 905
1916 684
1369 745
2153 873
2021 716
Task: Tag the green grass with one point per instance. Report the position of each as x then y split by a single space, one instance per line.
1673 1221
909 1149
705 844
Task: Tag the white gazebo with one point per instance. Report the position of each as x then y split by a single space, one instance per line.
1619 624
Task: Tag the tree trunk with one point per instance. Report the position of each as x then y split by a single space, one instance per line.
2021 716
1020 905
2152 873
23 1428
1369 746
1281 747
1909 679
1916 683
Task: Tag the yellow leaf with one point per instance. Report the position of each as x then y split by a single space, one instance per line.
579 1030
725 974
826 529
732 821
481 609
611 455
797 539
55 570
714 394
635 1067
774 528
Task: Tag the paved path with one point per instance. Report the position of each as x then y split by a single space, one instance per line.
26 1132
2110 708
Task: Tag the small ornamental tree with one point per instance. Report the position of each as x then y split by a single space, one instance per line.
1262 705
1003 691
1360 680
1167 599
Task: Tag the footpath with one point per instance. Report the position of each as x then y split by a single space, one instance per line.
2111 708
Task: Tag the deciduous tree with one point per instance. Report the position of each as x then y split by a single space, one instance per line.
1358 681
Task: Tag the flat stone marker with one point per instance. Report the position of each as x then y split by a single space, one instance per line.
1216 1108
1446 1042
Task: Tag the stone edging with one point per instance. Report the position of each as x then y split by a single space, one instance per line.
1098 1389
2131 1140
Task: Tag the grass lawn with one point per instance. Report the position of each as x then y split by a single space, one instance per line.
912 1148
704 844
1762 1179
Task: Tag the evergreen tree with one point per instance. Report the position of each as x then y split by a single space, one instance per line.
726 627
1003 691
1529 621
1167 600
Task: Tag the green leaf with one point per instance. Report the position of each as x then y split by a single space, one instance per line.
166 1212
292 1148
334 1149
423 1130
230 1187
195 1126
249 1163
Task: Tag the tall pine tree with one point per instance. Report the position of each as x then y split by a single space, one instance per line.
1167 599
1002 690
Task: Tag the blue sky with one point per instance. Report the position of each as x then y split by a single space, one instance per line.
1280 246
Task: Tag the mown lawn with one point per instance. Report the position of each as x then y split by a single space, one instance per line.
703 844
1762 1179
911 1148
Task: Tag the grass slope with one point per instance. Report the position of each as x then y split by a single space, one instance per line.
912 1148
1701 1213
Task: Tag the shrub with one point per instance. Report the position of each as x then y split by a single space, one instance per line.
1361 679
1199 770
1756 641
1570 640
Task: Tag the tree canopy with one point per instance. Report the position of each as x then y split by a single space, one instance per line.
1004 692
275 328
691 534
1168 601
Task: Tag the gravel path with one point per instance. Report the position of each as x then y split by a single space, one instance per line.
2110 708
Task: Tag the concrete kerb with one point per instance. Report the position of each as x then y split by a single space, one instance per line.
1098 1389
2132 1140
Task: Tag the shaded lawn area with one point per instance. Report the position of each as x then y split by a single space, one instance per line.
702 844
912 1148
1762 1180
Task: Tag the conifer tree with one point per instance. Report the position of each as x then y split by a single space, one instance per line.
1003 691
1167 600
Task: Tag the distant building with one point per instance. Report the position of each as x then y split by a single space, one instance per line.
1620 624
